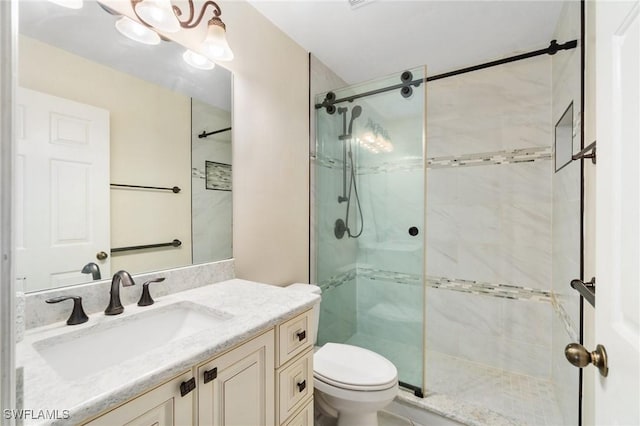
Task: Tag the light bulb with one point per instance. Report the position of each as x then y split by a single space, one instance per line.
215 44
197 61
136 31
159 14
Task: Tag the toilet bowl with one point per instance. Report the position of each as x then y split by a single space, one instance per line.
350 383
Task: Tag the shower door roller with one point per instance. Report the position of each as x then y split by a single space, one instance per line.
580 357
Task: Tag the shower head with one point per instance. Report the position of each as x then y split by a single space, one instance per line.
355 113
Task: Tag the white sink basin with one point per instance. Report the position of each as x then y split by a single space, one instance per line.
90 350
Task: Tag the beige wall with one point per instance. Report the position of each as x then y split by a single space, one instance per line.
270 144
150 129
271 149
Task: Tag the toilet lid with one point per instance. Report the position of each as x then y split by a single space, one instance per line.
351 367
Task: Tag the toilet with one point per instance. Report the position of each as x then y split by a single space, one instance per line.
350 383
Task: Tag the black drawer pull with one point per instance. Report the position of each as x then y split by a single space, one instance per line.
188 386
210 375
302 385
301 335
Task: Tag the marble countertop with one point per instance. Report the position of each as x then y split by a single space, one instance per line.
254 308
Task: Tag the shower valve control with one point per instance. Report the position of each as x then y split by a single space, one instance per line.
413 231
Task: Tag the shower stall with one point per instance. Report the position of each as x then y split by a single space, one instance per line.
444 239
370 219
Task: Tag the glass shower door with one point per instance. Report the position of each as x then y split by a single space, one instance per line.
369 233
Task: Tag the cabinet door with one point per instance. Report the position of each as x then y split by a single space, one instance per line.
162 406
239 388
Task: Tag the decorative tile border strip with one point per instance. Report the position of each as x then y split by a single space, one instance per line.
338 279
218 176
558 307
324 161
524 155
405 165
505 291
514 156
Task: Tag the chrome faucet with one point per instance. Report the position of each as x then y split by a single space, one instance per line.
115 306
93 269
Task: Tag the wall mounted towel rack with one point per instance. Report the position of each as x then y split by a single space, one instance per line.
174 189
174 243
204 133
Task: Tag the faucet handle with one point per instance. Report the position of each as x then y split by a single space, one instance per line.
78 316
145 298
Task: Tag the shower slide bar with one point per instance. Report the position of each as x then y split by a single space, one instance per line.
174 243
204 133
553 48
174 189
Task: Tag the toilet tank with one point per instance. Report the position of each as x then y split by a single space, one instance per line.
311 288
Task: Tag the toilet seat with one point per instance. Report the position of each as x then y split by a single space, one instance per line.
353 368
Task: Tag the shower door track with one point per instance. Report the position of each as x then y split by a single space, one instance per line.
553 48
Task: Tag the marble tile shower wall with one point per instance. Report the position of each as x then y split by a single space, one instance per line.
491 223
566 219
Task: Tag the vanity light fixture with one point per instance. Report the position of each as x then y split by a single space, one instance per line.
197 61
157 13
136 31
166 17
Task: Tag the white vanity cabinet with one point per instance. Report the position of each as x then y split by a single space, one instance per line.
265 381
294 372
161 406
236 388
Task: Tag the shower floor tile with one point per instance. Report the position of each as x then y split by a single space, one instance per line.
524 399
528 400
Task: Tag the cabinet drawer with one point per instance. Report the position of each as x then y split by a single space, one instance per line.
294 337
304 417
295 385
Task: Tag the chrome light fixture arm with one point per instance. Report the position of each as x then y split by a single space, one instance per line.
190 23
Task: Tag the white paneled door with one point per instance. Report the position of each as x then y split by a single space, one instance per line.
62 189
618 210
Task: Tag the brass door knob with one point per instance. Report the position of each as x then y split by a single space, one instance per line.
101 255
580 357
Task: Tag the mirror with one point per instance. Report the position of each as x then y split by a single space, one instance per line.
564 139
123 151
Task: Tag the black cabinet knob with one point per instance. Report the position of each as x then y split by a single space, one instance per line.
302 385
301 335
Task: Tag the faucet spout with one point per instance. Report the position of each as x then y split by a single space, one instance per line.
115 305
93 269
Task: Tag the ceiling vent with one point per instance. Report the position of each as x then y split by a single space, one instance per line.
359 3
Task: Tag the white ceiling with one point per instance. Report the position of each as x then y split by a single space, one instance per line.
383 37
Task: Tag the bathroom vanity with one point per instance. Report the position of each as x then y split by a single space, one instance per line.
236 352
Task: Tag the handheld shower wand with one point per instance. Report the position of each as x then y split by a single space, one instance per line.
342 226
